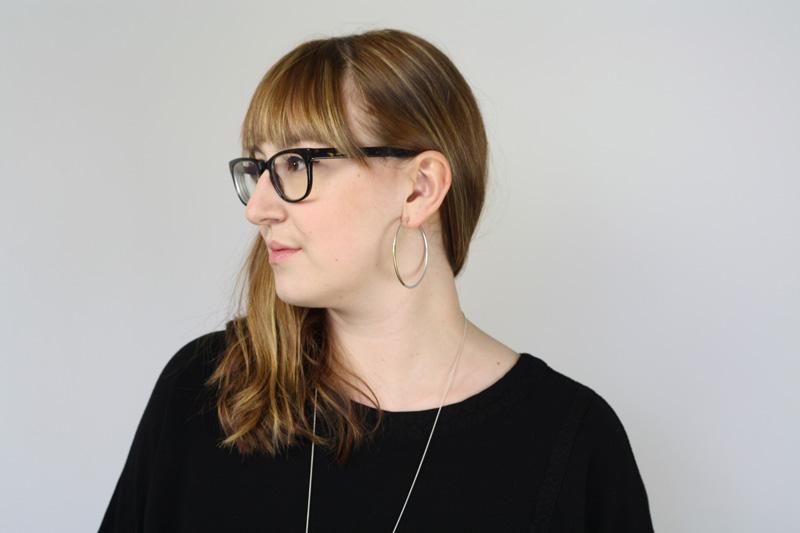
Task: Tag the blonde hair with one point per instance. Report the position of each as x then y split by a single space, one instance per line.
277 354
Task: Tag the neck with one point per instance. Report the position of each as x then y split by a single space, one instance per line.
403 344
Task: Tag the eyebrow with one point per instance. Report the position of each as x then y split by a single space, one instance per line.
255 149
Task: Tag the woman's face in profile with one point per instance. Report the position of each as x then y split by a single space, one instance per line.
344 228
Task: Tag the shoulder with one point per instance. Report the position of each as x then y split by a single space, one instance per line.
181 385
602 485
555 391
597 429
569 392
193 361
599 423
164 416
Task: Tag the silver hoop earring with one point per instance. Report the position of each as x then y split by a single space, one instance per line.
394 256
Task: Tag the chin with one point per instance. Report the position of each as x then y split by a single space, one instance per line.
296 298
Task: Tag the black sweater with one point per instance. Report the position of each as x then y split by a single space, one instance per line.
535 451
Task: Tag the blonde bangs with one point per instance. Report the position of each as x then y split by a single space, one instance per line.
301 98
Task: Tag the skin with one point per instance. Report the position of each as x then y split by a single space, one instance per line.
401 341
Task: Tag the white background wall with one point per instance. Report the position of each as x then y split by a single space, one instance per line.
641 233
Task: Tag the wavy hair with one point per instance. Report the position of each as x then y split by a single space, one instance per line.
277 354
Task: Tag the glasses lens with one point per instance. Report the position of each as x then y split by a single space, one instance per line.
291 175
245 174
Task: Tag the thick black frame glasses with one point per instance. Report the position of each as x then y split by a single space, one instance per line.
291 170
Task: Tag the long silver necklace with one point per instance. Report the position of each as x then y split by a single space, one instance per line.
441 404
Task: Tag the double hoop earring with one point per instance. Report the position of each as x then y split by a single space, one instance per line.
394 256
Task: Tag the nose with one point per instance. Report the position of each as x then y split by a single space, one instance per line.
265 206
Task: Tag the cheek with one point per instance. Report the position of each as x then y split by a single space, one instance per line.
349 228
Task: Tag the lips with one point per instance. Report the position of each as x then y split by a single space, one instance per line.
276 246
276 256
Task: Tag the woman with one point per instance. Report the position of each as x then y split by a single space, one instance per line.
351 393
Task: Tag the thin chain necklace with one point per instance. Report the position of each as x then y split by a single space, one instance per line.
441 404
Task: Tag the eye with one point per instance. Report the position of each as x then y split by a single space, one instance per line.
295 163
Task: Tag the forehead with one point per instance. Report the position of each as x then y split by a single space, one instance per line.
291 113
301 130
276 124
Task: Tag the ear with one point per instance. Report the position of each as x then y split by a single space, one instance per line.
430 177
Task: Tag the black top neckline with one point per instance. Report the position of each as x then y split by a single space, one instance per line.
515 384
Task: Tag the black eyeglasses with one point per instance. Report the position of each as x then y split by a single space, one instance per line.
291 170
